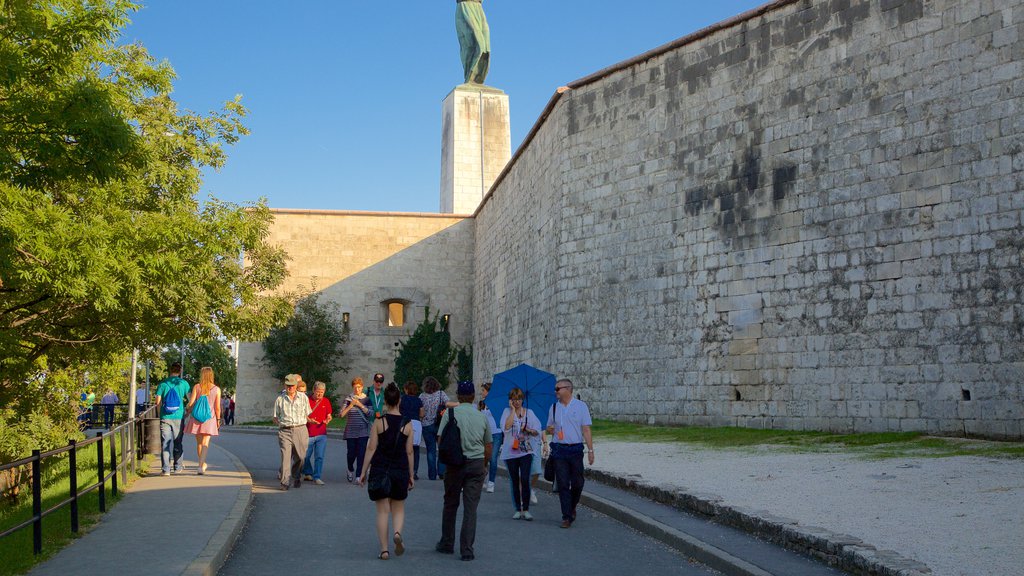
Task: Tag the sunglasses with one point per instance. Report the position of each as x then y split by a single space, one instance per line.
557 388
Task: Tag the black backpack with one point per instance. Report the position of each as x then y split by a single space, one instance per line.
449 448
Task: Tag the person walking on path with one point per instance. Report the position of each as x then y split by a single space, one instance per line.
375 396
411 408
389 456
569 426
497 436
230 420
357 429
521 429
320 411
467 479
434 400
204 421
170 404
291 413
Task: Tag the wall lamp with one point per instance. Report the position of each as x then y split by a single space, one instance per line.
345 319
444 321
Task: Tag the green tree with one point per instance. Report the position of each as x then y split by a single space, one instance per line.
464 363
103 244
198 354
427 352
310 343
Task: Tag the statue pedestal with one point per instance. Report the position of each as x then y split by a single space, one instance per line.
476 143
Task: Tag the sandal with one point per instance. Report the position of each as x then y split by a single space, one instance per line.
399 545
384 555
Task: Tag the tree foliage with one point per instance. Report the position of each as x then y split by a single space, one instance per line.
103 243
198 354
427 352
310 343
464 363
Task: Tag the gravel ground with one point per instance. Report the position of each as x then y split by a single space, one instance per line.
958 515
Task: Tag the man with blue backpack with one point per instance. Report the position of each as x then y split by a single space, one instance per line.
170 402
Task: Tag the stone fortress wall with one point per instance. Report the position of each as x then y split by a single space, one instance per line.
361 261
806 217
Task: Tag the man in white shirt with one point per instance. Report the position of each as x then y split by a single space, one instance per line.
569 426
291 412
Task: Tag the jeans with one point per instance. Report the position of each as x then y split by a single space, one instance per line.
466 481
430 437
108 415
315 456
568 460
496 440
355 453
519 474
171 434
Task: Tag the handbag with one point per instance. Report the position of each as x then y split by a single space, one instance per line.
379 486
549 464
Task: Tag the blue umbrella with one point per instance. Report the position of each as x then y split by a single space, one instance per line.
537 385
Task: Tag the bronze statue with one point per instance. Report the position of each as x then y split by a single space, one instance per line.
474 39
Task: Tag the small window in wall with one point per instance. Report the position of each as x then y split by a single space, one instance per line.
396 314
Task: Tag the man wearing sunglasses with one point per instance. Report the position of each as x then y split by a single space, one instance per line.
569 426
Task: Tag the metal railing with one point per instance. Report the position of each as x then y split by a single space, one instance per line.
130 435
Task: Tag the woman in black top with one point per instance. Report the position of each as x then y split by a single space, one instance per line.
389 453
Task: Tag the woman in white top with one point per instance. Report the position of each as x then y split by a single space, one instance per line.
522 438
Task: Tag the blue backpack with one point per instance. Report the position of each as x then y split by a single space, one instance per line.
201 409
172 400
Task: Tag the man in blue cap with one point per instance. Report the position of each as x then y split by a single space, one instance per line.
465 479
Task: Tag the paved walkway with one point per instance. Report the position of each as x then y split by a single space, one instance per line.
165 525
965 515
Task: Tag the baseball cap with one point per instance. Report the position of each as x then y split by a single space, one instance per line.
378 377
292 380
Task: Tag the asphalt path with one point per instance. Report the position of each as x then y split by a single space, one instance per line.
330 529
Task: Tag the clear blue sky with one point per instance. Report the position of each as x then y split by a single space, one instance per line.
344 97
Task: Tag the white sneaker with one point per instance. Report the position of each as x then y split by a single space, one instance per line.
517 515
307 477
533 497
527 515
318 482
490 488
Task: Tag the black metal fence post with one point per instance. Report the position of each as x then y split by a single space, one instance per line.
102 471
113 465
73 480
122 461
37 504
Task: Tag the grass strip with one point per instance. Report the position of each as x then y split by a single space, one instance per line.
869 445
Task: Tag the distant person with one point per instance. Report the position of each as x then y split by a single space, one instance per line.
521 429
434 400
231 412
375 396
109 401
496 436
291 413
302 385
320 414
389 455
465 480
204 414
225 408
411 408
141 397
357 429
569 426
170 402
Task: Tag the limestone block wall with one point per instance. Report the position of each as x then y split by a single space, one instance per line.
476 143
361 260
808 217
